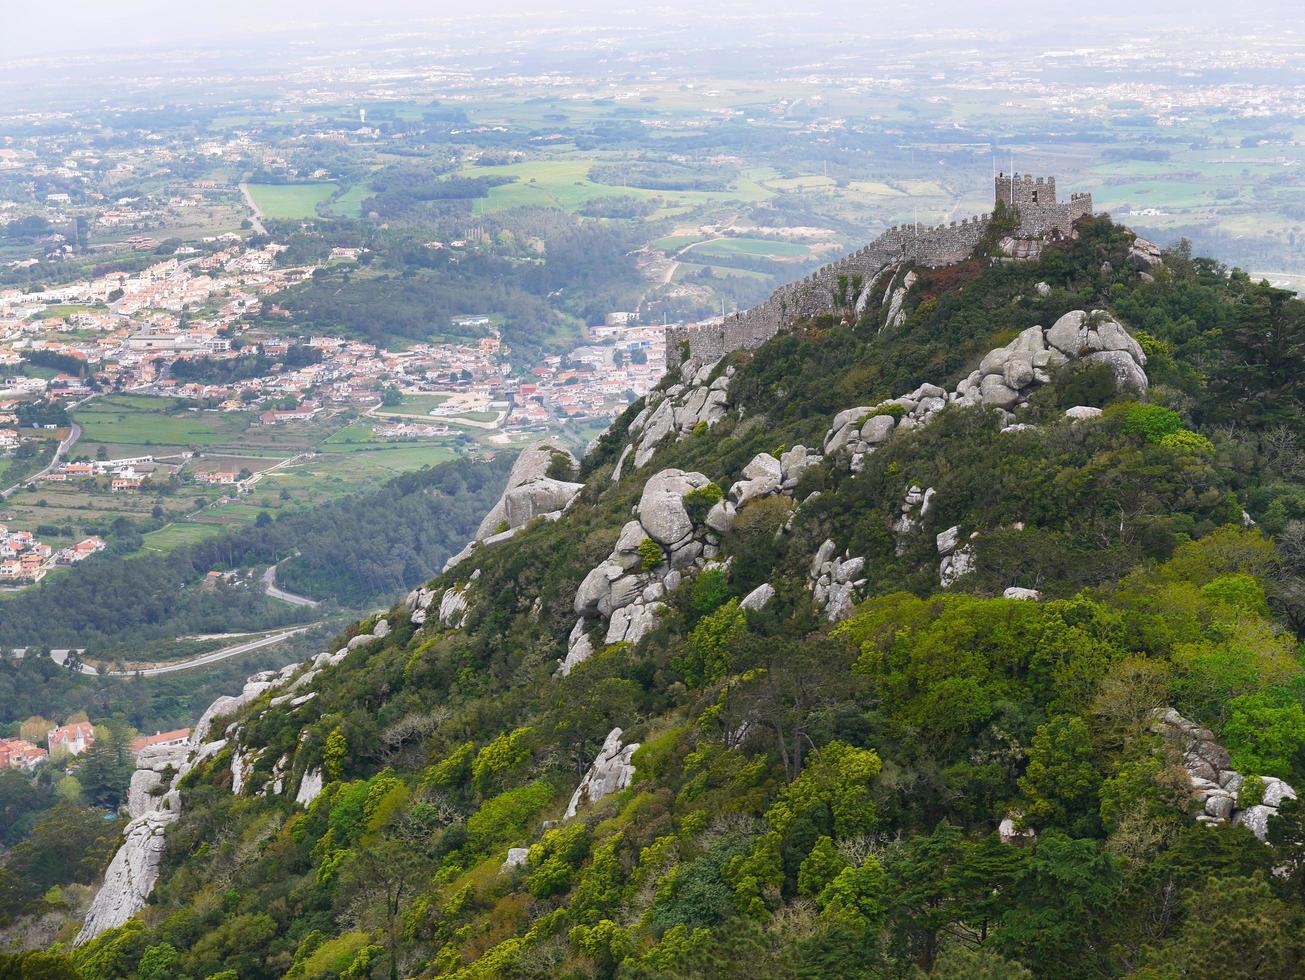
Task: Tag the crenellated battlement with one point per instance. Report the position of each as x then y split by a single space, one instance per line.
1040 213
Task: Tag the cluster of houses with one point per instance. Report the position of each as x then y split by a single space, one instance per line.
25 559
74 739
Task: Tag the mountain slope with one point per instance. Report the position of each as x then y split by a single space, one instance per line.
758 700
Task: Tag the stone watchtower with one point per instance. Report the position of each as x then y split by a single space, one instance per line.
1041 213
1023 190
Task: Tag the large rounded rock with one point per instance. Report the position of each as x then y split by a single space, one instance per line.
597 585
1069 334
994 391
1018 372
661 508
878 428
1125 370
531 465
523 504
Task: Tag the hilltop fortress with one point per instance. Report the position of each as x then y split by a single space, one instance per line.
851 281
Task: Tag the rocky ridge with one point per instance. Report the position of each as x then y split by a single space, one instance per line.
699 400
154 800
1004 379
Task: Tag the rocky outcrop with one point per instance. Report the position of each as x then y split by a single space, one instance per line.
131 874
154 766
529 493
759 598
915 507
679 410
1015 592
1145 256
1216 786
765 475
624 590
611 772
835 582
1004 379
516 858
955 559
310 787
154 800
895 298
450 611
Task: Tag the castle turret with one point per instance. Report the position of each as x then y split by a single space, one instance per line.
1023 190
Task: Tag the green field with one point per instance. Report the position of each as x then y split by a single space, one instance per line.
291 202
751 247
414 405
143 420
565 183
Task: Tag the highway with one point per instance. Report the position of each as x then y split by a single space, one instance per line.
59 656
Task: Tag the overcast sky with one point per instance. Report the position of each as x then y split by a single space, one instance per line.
45 27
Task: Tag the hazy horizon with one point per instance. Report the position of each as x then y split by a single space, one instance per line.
90 26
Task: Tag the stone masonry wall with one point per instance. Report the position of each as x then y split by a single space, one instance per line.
1040 214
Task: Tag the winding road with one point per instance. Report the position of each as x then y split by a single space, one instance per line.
74 433
270 587
61 656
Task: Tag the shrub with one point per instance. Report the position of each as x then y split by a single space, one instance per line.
898 412
506 816
710 590
650 554
1152 422
506 752
1251 794
698 502
1188 443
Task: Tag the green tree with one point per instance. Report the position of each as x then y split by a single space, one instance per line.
1061 782
334 753
1232 925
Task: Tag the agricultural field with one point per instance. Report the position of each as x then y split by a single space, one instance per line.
291 202
413 405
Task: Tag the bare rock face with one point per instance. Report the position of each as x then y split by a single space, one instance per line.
523 504
625 592
1015 592
516 858
611 772
131 875
1145 256
835 583
310 787
154 801
759 598
141 792
530 467
956 559
679 410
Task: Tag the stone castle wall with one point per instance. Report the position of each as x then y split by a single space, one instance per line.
1040 215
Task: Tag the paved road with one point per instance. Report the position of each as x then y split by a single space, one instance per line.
270 587
256 219
59 656
74 433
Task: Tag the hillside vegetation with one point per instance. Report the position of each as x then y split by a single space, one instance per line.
812 798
